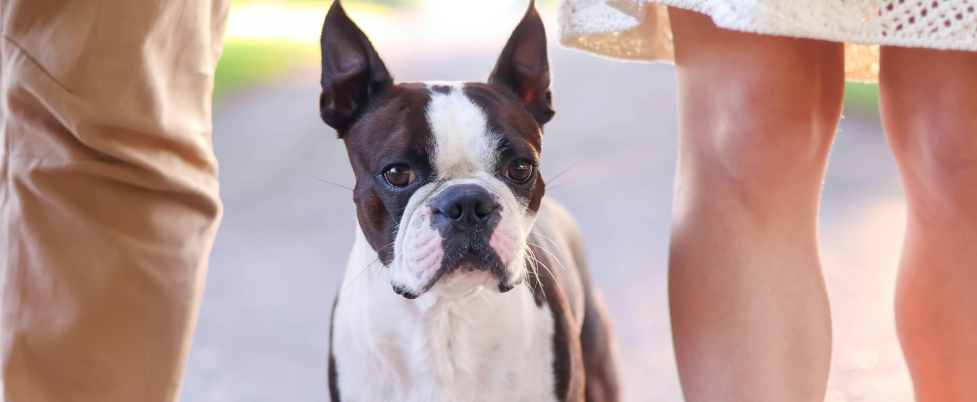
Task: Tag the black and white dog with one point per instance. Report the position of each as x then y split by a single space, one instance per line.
490 297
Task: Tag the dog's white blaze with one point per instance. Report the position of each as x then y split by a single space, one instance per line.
463 144
485 346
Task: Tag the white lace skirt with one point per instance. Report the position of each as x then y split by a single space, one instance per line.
639 29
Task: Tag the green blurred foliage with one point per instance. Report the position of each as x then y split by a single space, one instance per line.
249 62
861 98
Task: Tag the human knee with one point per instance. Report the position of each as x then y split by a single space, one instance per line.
761 160
764 128
928 118
762 134
944 164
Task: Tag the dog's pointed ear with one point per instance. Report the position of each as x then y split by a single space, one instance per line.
524 67
352 72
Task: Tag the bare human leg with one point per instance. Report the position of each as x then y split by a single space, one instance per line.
750 314
929 113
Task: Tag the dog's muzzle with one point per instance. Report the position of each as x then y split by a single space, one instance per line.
466 216
463 237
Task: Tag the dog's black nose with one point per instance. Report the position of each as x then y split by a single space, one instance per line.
466 205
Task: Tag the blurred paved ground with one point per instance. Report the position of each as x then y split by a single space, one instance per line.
263 326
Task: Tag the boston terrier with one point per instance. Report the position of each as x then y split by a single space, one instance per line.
465 283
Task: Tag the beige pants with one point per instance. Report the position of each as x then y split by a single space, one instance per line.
108 194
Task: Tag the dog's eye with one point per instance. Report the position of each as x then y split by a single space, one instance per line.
399 175
519 171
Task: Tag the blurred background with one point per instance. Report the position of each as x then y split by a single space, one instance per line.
282 247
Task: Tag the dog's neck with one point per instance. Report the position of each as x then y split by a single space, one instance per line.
483 340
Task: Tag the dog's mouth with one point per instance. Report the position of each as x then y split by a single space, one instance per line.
471 267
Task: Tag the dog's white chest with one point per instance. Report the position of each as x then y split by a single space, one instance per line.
488 347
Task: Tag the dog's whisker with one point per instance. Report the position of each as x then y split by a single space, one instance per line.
486 299
377 282
550 240
531 269
465 300
328 182
529 282
367 267
537 264
561 185
554 281
388 245
566 170
358 275
551 255
446 321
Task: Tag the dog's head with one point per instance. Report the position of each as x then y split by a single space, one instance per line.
447 174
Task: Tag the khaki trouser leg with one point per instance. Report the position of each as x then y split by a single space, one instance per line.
108 194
